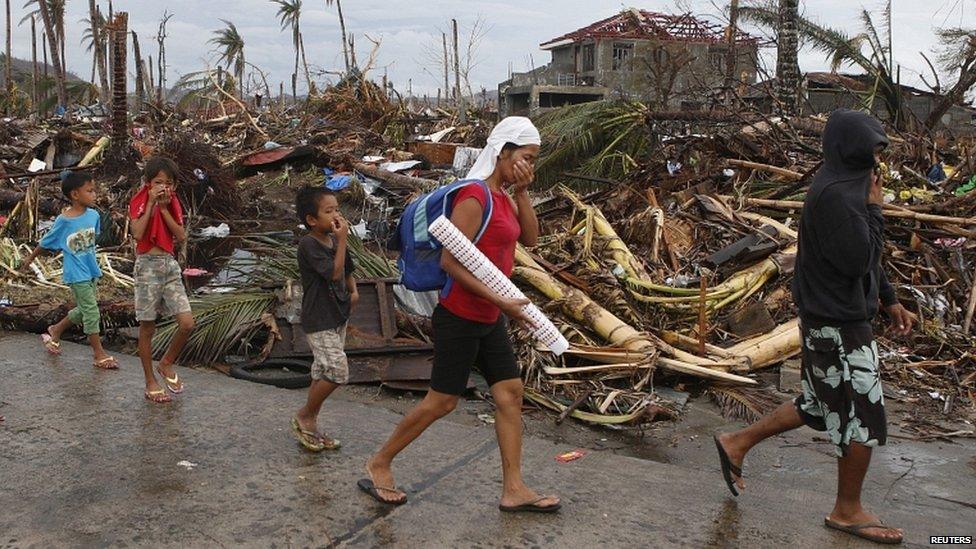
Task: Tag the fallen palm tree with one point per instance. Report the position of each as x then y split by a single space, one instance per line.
580 307
632 273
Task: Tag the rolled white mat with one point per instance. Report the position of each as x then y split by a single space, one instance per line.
484 270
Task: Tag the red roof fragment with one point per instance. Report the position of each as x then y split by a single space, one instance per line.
643 24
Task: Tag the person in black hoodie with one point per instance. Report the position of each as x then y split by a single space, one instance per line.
839 286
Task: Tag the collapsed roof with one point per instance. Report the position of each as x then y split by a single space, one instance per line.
648 25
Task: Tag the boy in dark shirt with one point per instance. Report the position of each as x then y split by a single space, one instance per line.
839 286
329 293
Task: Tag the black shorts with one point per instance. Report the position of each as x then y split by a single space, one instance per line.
460 344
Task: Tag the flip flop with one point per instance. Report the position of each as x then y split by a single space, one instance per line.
857 530
308 439
171 382
52 345
728 468
366 485
107 363
329 443
158 396
531 507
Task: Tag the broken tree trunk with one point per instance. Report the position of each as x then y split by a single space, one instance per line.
616 246
971 308
393 178
140 80
579 306
888 210
789 174
767 349
120 115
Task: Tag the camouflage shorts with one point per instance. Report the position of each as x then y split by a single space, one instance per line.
329 351
159 287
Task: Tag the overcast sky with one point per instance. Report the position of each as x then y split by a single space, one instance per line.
407 27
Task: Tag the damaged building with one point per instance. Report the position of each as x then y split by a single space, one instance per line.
670 61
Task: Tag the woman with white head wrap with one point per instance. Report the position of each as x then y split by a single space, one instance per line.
470 322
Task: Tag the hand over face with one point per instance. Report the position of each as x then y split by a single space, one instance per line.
875 194
524 175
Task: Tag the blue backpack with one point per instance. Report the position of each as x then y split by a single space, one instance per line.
420 253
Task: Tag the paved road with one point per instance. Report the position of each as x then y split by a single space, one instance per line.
85 461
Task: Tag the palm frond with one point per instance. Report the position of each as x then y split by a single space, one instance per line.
600 137
224 322
745 403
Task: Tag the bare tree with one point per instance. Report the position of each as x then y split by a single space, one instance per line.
52 40
34 72
161 64
665 66
438 58
787 67
140 80
118 31
7 79
95 17
958 54
342 26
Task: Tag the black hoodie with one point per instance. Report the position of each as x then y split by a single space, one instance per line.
838 277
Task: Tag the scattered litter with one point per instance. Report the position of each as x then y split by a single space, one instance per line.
194 272
570 456
399 166
487 419
188 464
218 231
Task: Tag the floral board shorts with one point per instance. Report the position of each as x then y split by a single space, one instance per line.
842 385
329 353
159 287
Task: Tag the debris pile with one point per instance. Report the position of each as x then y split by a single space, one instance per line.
666 255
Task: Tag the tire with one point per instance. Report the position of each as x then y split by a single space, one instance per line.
297 377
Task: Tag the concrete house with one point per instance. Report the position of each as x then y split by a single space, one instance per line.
824 92
671 61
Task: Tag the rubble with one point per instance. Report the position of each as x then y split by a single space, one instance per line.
666 256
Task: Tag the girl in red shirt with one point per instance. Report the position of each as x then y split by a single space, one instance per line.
471 322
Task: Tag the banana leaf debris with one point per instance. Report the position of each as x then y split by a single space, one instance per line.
666 256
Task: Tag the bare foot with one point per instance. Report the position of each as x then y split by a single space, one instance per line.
54 332
382 477
736 455
863 517
310 424
524 495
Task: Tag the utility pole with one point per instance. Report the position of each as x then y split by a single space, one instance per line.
8 80
34 72
462 114
447 70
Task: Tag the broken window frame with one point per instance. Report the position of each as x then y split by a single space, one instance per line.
621 53
588 58
661 56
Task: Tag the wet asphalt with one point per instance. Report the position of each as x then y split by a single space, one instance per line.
85 461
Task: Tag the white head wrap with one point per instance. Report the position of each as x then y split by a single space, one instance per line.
513 129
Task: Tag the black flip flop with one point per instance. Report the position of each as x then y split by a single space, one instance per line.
531 507
366 485
728 468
